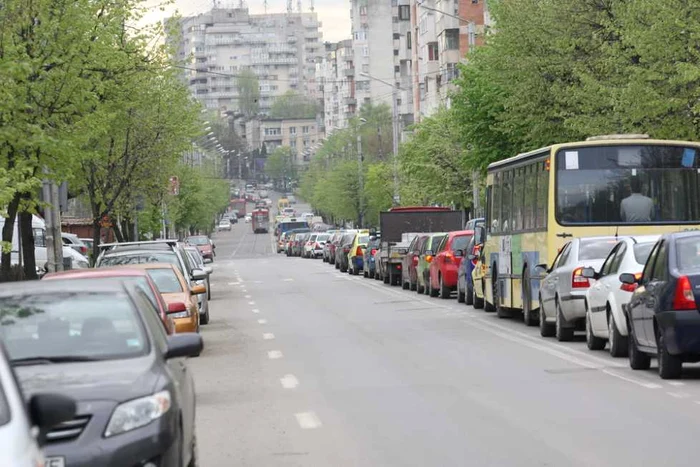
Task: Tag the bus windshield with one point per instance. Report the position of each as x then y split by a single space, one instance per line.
633 184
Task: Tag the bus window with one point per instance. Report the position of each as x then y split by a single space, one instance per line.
507 202
530 197
518 198
542 194
495 217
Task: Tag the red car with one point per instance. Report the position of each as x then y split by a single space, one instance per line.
203 244
139 275
409 274
445 264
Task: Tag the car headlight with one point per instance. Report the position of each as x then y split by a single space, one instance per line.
137 413
180 314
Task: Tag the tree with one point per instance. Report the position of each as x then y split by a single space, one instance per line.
291 104
248 93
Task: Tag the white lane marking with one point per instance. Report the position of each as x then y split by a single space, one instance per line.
247 296
288 280
251 303
676 383
274 354
308 420
289 382
679 395
268 336
233 283
262 321
255 310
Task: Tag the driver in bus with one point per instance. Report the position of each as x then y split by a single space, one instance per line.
636 207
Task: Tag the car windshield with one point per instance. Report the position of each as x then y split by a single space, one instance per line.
363 240
322 238
195 257
166 280
461 242
595 249
688 253
642 251
71 326
198 240
139 258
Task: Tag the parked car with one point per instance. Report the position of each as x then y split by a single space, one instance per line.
478 284
369 260
356 255
224 224
248 218
319 245
292 199
563 291
605 320
309 246
663 314
102 344
333 245
20 444
409 278
204 244
443 268
73 241
137 276
341 252
426 257
202 299
465 286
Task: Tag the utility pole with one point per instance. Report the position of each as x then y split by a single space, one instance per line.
54 243
395 143
361 179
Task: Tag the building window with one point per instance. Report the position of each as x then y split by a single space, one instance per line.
305 129
397 36
292 130
433 51
273 131
451 39
397 69
408 40
293 143
365 51
394 19
363 10
365 68
396 52
404 12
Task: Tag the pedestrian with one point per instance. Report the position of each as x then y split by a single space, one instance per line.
636 207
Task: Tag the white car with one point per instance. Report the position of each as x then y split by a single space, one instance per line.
248 218
224 224
563 292
291 199
605 320
310 246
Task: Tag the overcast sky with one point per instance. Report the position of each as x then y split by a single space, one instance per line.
334 14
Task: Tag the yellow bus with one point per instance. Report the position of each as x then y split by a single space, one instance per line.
606 185
282 203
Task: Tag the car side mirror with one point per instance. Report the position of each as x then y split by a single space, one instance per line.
473 257
628 278
542 269
187 344
48 410
589 273
176 307
479 234
208 269
198 275
199 289
459 253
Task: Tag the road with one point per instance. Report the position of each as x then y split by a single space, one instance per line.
305 366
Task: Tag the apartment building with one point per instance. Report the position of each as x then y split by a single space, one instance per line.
335 75
299 134
280 48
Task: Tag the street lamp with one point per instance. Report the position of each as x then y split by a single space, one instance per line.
361 176
395 131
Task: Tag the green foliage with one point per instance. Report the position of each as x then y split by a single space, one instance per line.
202 196
291 104
279 164
249 93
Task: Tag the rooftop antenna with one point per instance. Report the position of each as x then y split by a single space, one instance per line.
265 6
312 6
299 6
215 4
289 6
617 228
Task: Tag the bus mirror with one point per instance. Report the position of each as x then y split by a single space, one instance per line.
541 269
473 257
479 235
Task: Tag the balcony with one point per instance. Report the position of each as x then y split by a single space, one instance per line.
349 72
349 101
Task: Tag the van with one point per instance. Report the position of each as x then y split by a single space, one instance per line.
40 254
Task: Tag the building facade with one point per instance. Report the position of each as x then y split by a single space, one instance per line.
299 134
280 48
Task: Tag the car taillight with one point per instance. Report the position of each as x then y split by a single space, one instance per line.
429 258
83 250
358 251
449 257
631 287
415 261
373 252
398 266
578 281
684 299
346 249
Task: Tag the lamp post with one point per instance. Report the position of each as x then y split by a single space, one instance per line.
395 132
361 175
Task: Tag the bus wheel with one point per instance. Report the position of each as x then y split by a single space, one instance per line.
500 311
529 316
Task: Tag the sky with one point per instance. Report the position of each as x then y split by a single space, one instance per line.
333 14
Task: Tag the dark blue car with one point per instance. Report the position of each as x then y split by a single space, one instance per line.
663 315
465 286
368 264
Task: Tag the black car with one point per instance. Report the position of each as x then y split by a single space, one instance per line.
102 344
368 262
342 250
663 314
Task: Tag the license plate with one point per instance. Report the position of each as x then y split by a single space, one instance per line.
55 461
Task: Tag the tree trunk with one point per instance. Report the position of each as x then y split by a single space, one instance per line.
7 234
27 239
96 237
117 233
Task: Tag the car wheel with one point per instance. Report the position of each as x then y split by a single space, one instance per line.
461 295
562 333
638 360
337 266
365 274
405 285
194 461
546 329
386 278
593 342
445 292
420 289
412 286
469 295
487 306
355 272
618 342
670 366
204 318
478 302
529 316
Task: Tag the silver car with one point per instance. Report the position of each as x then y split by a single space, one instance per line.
563 292
19 441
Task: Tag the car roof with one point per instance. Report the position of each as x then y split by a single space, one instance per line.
115 271
146 266
130 251
60 286
685 234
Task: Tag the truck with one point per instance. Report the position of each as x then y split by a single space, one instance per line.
261 221
238 205
400 225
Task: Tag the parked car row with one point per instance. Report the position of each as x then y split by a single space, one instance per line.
100 355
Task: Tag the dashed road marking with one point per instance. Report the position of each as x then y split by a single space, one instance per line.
251 303
255 310
676 383
679 395
274 354
268 336
262 321
289 279
233 283
308 420
289 382
247 296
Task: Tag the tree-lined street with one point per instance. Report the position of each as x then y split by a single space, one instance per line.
306 366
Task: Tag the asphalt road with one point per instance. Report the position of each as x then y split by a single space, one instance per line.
305 366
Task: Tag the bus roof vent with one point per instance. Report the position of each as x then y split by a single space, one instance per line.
630 136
